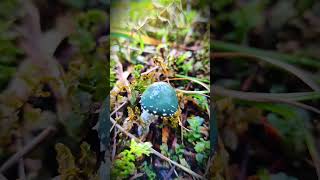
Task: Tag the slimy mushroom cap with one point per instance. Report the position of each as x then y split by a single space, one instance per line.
160 98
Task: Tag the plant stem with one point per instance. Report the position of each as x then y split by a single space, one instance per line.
118 108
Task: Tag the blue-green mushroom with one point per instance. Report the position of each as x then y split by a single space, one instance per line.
159 99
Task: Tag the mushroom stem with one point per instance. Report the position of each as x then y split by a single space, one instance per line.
147 117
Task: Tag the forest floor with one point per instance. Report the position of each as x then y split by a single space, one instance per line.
245 75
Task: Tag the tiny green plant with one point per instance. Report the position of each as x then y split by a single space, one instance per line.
176 154
124 165
88 24
195 126
148 170
184 63
202 147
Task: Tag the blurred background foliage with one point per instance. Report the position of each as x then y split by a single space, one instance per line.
53 74
261 140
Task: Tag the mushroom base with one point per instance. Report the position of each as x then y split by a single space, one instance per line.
148 117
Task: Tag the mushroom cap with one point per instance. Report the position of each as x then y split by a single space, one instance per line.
160 98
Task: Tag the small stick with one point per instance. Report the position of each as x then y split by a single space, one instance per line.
114 144
118 108
136 176
184 127
156 152
194 80
28 148
150 70
170 172
181 126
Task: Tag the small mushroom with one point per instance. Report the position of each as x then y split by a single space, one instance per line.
159 99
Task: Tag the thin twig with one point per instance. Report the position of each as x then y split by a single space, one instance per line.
169 174
182 128
150 70
136 176
114 144
194 80
28 148
180 123
118 108
156 152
